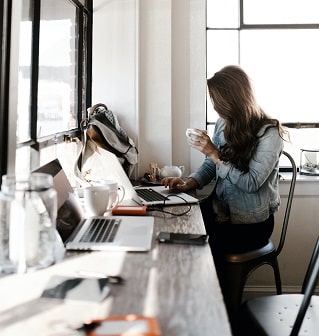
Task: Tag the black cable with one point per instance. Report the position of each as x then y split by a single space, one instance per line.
160 209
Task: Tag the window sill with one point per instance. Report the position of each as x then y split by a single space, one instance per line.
306 185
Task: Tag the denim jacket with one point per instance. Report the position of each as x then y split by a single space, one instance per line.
245 197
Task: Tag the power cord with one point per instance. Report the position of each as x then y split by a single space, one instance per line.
160 208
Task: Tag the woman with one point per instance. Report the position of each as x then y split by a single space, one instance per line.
243 157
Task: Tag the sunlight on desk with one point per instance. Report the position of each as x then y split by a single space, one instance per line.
176 284
21 293
151 297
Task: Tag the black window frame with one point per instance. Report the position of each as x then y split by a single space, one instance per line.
5 32
84 94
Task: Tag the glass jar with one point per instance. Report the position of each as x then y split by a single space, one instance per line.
6 265
31 220
309 162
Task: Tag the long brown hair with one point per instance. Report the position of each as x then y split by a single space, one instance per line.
233 98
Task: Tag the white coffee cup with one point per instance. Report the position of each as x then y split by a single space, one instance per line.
191 131
117 192
96 200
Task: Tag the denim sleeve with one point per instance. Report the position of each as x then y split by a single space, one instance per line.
261 165
205 173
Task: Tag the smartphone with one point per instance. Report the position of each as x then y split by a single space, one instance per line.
182 238
81 289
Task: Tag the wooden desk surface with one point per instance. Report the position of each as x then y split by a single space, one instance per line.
175 283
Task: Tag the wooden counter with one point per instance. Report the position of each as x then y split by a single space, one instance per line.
175 283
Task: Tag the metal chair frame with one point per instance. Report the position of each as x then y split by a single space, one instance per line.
258 314
238 267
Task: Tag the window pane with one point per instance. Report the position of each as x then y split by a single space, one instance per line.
222 49
24 79
23 160
307 138
281 11
57 85
283 65
222 13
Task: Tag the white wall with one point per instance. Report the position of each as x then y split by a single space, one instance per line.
149 68
115 59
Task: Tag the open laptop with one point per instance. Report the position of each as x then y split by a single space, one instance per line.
143 195
112 233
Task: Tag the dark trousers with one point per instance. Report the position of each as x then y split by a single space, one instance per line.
233 238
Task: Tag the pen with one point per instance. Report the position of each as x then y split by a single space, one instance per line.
115 279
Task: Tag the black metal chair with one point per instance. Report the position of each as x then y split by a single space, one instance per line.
238 267
283 315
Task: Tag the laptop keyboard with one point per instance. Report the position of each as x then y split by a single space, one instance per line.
150 195
101 230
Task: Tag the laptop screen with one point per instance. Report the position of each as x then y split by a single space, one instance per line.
70 212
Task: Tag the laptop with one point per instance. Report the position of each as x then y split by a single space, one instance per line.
109 233
142 195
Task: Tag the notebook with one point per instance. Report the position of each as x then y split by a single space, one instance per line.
113 170
114 233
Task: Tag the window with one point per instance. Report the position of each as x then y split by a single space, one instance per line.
50 65
275 41
57 80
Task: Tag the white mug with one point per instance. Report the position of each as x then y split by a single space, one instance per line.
96 200
117 192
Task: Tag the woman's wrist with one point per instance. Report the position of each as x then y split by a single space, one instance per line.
215 158
191 183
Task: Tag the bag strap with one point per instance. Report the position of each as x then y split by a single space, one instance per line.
95 107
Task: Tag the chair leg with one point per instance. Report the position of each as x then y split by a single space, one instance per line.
275 267
232 285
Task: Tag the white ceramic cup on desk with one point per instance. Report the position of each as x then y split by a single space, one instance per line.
117 192
96 200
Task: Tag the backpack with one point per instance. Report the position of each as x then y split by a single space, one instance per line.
102 130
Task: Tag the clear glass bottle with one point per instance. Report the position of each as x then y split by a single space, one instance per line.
6 265
309 162
32 220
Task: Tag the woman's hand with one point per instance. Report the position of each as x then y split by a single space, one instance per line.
178 183
202 142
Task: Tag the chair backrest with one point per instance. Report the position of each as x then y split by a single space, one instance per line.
310 281
289 202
